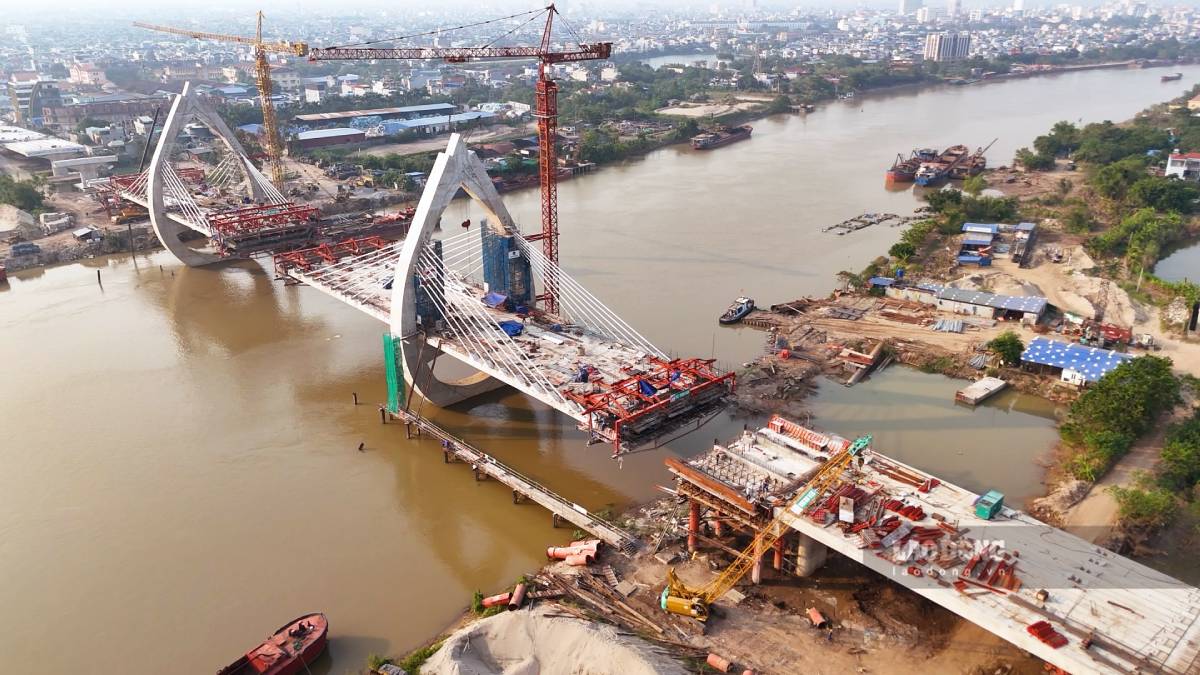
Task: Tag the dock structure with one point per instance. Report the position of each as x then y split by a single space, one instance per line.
1075 605
523 488
980 390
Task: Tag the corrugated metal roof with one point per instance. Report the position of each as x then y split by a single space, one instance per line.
976 239
1025 303
992 228
1091 362
348 114
441 119
328 133
881 281
1026 227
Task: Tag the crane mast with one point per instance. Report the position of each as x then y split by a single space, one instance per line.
262 70
545 112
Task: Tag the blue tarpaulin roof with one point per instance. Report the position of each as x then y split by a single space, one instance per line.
511 328
1091 362
881 281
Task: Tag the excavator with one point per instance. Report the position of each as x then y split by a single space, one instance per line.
678 598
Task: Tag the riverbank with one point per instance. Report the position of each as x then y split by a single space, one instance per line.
869 623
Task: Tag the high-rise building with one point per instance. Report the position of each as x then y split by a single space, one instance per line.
953 7
943 47
909 6
1018 5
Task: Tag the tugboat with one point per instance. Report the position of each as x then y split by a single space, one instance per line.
287 652
737 311
1172 77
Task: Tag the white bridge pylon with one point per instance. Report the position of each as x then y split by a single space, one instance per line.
432 294
165 193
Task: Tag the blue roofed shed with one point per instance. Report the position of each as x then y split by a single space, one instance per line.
880 281
1080 365
981 228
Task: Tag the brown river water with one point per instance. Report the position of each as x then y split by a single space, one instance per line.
179 466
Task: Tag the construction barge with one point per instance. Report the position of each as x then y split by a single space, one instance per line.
721 135
1073 604
927 166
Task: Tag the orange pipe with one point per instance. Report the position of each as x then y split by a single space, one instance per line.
494 600
718 663
580 560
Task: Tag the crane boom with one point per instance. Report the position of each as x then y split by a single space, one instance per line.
278 47
545 112
678 598
587 52
262 70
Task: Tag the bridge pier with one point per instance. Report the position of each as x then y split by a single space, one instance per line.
810 555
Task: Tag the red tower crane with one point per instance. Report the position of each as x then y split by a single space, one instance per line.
545 111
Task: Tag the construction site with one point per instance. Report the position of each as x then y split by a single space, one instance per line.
789 549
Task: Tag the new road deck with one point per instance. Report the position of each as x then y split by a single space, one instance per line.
1116 615
523 487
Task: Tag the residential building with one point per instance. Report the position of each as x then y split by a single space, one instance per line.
29 93
1184 165
86 74
910 6
1194 103
953 7
945 47
286 79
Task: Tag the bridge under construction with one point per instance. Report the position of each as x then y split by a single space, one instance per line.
1075 605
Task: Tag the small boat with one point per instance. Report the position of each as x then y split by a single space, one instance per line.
1172 77
737 311
287 652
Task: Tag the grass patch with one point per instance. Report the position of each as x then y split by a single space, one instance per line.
413 662
940 364
479 610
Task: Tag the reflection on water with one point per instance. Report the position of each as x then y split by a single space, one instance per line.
1002 444
1182 265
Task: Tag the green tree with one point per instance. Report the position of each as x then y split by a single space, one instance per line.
1114 180
1008 346
1180 468
974 184
902 250
1033 161
1144 506
23 194
1163 194
1103 423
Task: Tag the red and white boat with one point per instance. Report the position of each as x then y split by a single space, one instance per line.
287 651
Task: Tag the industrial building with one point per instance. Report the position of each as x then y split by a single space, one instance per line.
400 113
319 138
1079 364
432 126
117 108
1028 308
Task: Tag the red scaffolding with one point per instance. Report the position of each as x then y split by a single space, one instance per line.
646 402
306 259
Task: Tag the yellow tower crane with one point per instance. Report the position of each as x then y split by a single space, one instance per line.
678 598
274 144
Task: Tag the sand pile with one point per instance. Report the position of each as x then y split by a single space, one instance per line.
530 643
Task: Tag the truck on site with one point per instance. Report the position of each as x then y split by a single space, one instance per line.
678 598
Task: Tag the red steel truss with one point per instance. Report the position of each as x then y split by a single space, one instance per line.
259 217
306 259
616 411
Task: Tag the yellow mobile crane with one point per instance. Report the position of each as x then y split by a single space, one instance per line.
273 145
678 598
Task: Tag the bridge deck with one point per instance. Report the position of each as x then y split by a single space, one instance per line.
1137 619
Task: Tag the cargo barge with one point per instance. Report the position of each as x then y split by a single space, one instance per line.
904 169
939 169
721 136
1172 77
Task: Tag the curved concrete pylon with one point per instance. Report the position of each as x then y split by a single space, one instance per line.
456 167
188 106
